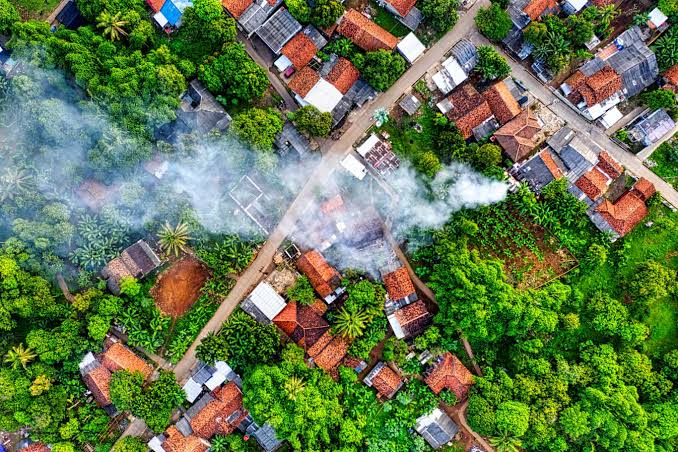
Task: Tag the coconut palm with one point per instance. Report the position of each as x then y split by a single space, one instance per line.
14 181
293 387
112 25
19 356
173 239
506 443
220 444
350 324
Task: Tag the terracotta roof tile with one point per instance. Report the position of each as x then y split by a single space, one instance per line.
303 81
155 4
118 357
236 7
502 103
413 318
36 447
176 442
364 33
323 277
518 137
535 8
98 381
596 88
343 75
335 203
469 109
644 189
609 165
299 50
329 351
671 76
547 158
398 284
387 382
402 6
301 323
593 183
448 372
625 214
222 415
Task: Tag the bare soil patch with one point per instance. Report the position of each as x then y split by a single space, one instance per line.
178 287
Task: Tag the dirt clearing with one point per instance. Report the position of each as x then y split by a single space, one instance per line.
177 288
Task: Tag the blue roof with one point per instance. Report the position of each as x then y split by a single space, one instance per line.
171 12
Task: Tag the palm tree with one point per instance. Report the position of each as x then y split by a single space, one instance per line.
173 239
112 25
19 356
607 14
293 387
506 443
350 324
220 444
14 181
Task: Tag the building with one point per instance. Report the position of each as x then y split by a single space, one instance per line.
411 48
384 380
571 7
310 89
399 288
217 413
522 12
594 183
409 320
503 105
263 303
323 277
300 50
456 69
168 13
26 445
302 323
404 11
593 93
264 435
378 155
620 217
447 372
199 112
364 33
657 20
70 16
634 61
136 261
353 166
538 171
292 142
520 136
651 127
174 441
469 110
329 352
207 377
344 76
97 370
670 78
410 104
250 14
436 428
278 30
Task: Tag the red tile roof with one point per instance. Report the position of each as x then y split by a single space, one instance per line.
213 419
518 137
36 447
609 165
333 204
302 324
118 357
343 75
299 50
596 88
386 382
398 284
536 8
644 189
469 109
155 4
502 103
448 372
98 381
322 276
303 81
176 442
671 76
625 214
364 33
593 183
329 351
236 7
413 318
547 158
402 6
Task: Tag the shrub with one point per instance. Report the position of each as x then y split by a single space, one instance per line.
494 22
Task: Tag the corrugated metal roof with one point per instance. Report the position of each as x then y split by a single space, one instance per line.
278 29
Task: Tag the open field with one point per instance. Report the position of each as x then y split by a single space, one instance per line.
178 287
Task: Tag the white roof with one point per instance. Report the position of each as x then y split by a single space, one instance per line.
595 112
368 145
222 366
577 4
282 63
192 389
611 117
267 300
410 47
87 359
216 380
657 17
395 326
451 76
324 96
353 166
444 106
160 19
155 445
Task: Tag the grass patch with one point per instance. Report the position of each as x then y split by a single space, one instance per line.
407 142
663 322
388 22
35 9
666 169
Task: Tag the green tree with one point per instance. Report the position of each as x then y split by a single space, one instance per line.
494 22
535 32
491 65
487 155
666 48
312 121
659 98
554 49
581 30
302 291
174 240
506 443
205 28
350 324
428 164
91 9
300 10
441 14
126 389
8 16
129 444
326 12
651 281
382 68
513 418
257 127
19 356
112 24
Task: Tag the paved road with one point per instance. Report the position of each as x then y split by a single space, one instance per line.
333 152
582 126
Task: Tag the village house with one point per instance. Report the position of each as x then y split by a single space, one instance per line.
303 324
520 136
70 16
571 7
593 92
323 277
470 111
503 105
594 183
411 48
208 378
379 155
620 217
278 30
410 104
384 380
96 370
250 14
263 303
291 142
300 50
364 33
657 20
651 127
436 428
329 352
26 445
136 261
457 68
522 12
168 13
404 11
669 78
447 372
407 315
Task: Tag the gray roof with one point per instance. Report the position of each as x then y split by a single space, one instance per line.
278 29
357 95
266 438
652 127
560 139
466 55
203 374
410 104
256 14
199 405
577 157
634 61
290 139
437 428
486 128
516 43
592 66
315 36
515 12
413 18
249 307
184 426
535 173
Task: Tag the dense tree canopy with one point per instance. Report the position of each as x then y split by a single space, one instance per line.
441 14
8 15
491 65
312 121
257 127
381 68
494 22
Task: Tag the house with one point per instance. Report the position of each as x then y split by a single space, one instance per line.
399 288
503 105
292 142
657 20
364 33
522 12
571 7
354 167
26 445
323 277
70 16
539 171
610 117
520 136
651 127
278 30
217 413
594 90
620 217
264 435
329 352
95 195
595 182
168 12
670 78
411 48
436 428
300 50
302 323
447 372
250 14
207 377
344 76
199 112
410 104
468 109
634 61
456 69
378 155
310 89
174 441
404 11
96 371
384 380
136 261
263 303
410 320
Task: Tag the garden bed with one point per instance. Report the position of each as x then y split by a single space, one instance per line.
178 287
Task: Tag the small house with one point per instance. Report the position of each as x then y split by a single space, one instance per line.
323 277
657 20
503 105
207 377
634 61
469 110
292 142
522 12
436 428
329 352
364 33
447 372
263 303
594 90
378 155
400 290
404 11
303 324
411 48
456 69
136 261
354 167
278 30
410 104
594 183
265 435
300 50
620 217
409 320
250 14
310 89
384 380
669 78
70 16
571 7
26 445
651 127
174 441
217 413
520 136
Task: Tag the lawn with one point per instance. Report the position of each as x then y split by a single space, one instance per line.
666 169
35 9
388 22
407 142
